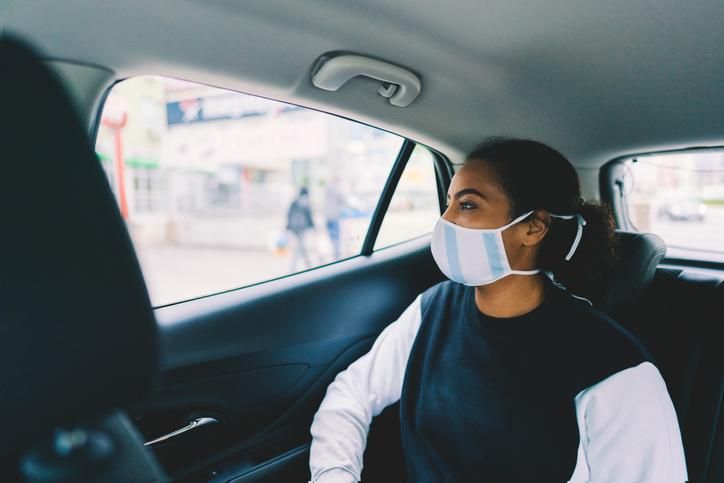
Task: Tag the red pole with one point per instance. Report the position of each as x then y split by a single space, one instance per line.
120 171
119 162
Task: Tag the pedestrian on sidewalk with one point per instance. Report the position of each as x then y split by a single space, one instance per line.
299 224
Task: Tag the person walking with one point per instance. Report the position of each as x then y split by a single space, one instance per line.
299 224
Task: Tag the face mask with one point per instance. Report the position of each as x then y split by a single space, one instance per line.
477 256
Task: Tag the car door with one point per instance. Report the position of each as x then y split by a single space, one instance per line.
207 180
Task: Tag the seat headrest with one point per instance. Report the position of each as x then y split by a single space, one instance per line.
640 255
77 328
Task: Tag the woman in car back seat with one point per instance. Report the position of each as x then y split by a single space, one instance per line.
507 372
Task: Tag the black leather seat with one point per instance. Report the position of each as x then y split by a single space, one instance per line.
680 318
79 339
640 254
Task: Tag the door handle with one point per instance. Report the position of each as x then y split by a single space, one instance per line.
193 424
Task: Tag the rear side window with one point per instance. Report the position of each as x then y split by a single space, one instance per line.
680 197
221 190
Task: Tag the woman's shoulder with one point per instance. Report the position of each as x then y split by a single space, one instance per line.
441 294
446 286
584 312
591 319
601 345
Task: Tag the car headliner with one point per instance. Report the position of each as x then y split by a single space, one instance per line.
597 80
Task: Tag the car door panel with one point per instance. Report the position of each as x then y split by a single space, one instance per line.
259 359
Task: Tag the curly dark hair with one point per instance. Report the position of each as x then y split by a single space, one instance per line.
535 176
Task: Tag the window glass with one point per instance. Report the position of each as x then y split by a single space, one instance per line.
414 207
220 189
680 197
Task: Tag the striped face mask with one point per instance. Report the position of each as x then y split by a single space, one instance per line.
477 256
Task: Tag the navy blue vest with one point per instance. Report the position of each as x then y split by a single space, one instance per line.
489 399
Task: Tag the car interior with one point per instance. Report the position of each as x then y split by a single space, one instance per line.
105 382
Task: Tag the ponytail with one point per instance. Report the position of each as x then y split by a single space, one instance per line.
588 270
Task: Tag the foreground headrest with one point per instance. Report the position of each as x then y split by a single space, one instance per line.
640 255
76 326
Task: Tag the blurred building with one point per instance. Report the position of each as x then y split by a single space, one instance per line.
201 163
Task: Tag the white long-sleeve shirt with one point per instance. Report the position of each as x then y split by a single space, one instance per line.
627 423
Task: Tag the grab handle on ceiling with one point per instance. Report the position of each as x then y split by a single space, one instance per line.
398 84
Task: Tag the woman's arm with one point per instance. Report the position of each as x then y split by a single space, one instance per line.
629 430
357 394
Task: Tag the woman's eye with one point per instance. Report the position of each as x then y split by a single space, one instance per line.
465 205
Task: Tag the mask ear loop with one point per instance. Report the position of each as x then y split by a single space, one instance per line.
579 231
517 220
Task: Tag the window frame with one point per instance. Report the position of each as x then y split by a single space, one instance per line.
442 165
443 175
611 191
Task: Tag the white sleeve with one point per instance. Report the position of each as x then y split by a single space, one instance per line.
629 430
357 394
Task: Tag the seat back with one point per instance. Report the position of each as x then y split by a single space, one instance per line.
679 316
680 319
640 254
79 338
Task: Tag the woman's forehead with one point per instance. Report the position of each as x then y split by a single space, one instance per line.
477 175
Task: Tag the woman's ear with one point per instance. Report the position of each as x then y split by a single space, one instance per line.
537 227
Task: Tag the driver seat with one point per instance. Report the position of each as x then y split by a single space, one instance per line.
79 339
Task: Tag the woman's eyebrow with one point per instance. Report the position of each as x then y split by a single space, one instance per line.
468 191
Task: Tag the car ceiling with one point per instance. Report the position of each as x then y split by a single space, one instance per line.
597 80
